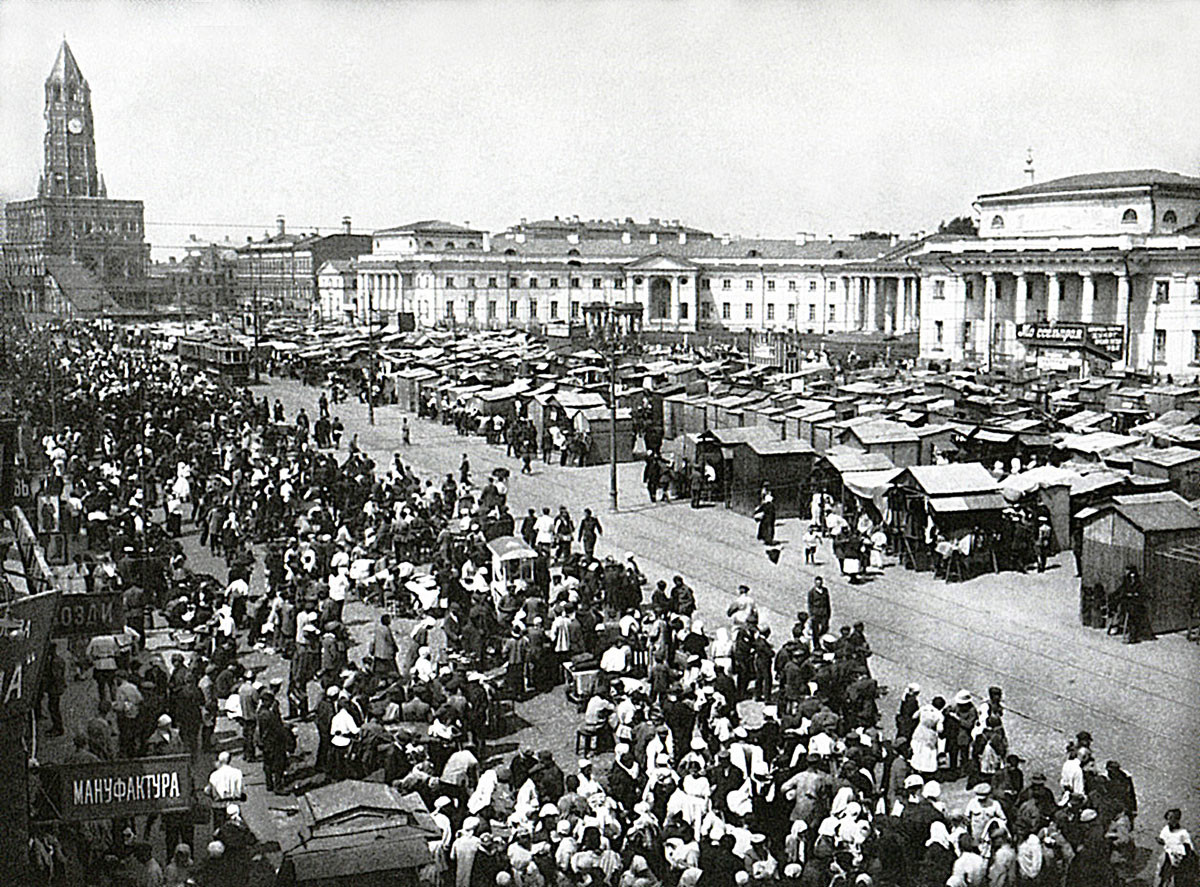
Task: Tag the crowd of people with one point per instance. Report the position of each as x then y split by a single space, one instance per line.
708 752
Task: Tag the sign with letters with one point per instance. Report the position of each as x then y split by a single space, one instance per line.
1106 340
87 615
104 789
23 635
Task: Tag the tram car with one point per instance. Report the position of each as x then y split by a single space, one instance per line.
226 358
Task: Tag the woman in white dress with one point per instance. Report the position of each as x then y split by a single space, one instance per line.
924 758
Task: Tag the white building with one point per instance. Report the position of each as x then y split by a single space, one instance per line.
337 291
1073 256
684 279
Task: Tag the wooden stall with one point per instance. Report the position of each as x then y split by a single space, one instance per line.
1142 530
785 466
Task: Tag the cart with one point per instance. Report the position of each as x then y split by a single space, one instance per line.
512 560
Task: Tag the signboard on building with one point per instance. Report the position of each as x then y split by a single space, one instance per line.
87 615
1106 340
104 789
24 630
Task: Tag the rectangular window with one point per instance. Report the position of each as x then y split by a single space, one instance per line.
533 283
449 309
770 286
833 312
706 284
597 283
939 331
470 283
513 283
491 310
1195 346
1160 346
726 284
532 309
1196 293
492 282
939 289
706 310
812 286
812 312
791 312
970 285
574 310
791 286
749 284
1162 293
832 285
770 311
449 283
575 284
725 310
749 311
512 308
683 310
619 283
470 308
553 283
554 309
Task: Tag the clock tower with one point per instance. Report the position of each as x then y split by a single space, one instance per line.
70 143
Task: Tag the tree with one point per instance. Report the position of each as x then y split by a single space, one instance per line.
873 235
958 225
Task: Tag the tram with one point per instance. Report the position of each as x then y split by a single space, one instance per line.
226 358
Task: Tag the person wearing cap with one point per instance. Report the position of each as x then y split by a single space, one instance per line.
961 716
464 850
165 740
276 741
983 810
820 609
225 785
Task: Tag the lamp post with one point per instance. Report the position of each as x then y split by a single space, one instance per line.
370 355
608 338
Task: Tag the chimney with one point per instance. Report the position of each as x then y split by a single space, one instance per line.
279 224
572 237
345 224
487 242
626 237
683 237
803 237
520 237
654 237
894 239
725 239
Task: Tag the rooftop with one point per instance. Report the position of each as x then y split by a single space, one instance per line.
1099 181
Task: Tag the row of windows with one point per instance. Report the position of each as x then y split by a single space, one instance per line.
618 283
727 311
1129 217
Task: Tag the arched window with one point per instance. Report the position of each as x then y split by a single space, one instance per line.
449 244
471 245
510 252
572 252
753 254
574 263
1169 217
1129 217
997 221
839 254
428 244
638 281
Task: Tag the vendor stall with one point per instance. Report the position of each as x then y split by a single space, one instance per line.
958 503
512 562
360 834
784 466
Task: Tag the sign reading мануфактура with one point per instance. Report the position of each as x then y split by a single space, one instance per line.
106 789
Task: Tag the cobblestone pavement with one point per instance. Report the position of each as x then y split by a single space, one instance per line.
1020 632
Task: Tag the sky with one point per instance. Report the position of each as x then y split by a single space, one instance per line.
754 118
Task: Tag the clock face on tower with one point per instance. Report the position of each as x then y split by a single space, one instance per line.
75 125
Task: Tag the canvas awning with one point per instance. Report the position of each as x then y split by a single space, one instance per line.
971 502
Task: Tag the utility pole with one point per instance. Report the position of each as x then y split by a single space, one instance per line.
612 421
370 355
254 286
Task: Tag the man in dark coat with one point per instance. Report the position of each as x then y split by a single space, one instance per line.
274 738
651 476
325 712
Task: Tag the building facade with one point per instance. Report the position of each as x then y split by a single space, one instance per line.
278 274
72 217
1078 256
684 279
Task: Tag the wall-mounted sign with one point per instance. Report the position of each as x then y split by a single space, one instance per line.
1106 340
104 789
88 615
23 635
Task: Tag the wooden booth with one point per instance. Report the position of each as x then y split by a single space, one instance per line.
958 502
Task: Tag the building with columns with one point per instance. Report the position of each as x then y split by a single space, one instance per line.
684 279
1119 249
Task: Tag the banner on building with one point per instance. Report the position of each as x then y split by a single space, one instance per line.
1106 340
104 789
87 615
24 631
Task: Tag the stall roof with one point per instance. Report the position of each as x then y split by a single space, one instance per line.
865 484
1164 458
1157 512
510 547
846 460
727 437
1098 442
883 431
1039 477
957 478
971 502
988 435
779 447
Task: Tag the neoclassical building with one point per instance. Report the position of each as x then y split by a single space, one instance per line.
685 280
1064 258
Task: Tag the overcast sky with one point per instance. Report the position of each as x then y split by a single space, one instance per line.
753 118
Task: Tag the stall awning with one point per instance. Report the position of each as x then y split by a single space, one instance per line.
971 502
869 484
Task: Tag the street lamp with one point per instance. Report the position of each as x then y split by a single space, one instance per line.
370 355
608 339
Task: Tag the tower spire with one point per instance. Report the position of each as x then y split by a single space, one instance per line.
66 69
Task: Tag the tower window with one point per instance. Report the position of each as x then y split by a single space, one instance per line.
1169 217
997 221
1129 217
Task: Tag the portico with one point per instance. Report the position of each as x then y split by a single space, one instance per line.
886 303
666 288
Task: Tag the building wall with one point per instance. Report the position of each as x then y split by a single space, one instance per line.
1087 215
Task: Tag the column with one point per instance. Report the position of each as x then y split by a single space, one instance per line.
1020 298
1123 316
889 305
1052 295
869 320
673 309
989 314
846 313
1087 297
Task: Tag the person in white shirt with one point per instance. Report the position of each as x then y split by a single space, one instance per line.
342 730
225 784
